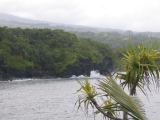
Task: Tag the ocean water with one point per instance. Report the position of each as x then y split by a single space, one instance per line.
54 99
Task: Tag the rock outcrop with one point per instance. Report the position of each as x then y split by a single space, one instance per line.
87 65
84 68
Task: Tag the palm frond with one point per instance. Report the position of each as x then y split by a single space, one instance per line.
129 104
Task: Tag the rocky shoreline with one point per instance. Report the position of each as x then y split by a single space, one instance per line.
84 68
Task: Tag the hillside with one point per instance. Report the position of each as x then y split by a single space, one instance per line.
45 52
14 21
11 18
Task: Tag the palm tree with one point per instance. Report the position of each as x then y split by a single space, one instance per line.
140 66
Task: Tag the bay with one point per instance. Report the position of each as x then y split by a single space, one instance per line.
54 99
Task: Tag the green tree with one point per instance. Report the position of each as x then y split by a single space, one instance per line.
48 50
140 66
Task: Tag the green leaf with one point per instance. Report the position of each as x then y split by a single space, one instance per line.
129 104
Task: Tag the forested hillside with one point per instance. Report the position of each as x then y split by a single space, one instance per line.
29 52
118 39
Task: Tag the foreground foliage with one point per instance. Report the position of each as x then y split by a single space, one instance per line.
141 68
114 99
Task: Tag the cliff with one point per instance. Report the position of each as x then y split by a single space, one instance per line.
84 68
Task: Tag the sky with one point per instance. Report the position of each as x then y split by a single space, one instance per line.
135 15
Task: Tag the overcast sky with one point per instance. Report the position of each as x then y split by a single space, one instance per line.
136 15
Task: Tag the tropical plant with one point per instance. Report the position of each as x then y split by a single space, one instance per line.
113 97
140 66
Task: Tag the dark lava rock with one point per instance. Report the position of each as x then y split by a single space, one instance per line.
84 68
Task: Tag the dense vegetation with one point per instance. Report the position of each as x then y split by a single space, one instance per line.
45 49
58 51
117 39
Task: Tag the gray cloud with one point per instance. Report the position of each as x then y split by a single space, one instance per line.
137 15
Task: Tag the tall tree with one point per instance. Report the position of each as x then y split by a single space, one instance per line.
140 66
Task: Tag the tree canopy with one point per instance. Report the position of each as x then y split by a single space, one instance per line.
45 49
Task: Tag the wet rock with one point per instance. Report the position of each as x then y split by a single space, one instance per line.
83 68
